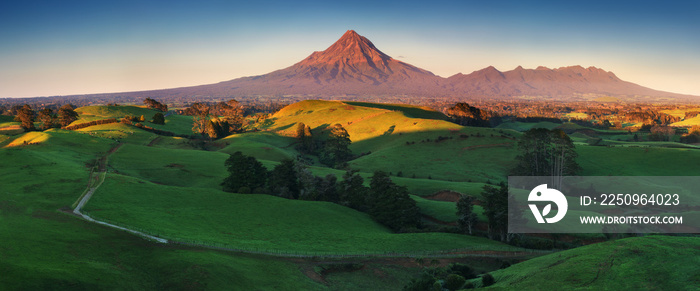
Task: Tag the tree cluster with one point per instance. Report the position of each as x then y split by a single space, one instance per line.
153 104
27 116
464 114
66 115
332 151
544 152
218 120
386 202
452 277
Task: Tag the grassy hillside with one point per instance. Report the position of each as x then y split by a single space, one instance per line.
43 248
170 187
178 124
637 161
185 168
259 222
640 263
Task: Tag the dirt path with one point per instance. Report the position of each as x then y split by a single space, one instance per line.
96 179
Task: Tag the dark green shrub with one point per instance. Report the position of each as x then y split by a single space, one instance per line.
454 282
487 280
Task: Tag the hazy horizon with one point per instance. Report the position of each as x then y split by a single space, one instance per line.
81 47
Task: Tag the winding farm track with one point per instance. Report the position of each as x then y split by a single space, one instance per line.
97 176
93 184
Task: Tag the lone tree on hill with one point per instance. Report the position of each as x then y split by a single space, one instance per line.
336 150
465 213
153 104
26 116
66 115
546 152
47 118
158 118
246 174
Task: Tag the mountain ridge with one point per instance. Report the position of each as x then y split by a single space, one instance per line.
354 66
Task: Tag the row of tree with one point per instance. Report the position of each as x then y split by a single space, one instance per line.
27 116
386 202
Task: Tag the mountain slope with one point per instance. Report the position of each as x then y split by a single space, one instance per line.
353 66
565 81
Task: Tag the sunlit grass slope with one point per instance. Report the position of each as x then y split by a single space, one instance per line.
261 145
120 132
640 263
177 124
260 222
414 140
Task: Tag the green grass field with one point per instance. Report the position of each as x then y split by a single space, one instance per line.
640 263
178 124
43 248
169 186
260 222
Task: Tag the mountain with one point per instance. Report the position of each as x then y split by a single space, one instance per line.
561 82
353 67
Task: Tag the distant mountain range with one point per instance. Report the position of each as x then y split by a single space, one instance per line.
353 66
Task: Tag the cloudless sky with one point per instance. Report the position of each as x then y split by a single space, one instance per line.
78 47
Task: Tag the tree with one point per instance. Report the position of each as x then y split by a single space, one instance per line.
283 180
352 191
465 213
153 104
200 120
546 153
303 135
26 116
244 172
66 115
47 118
336 150
158 118
496 210
233 114
316 188
391 205
216 128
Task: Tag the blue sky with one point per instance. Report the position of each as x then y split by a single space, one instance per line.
79 47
